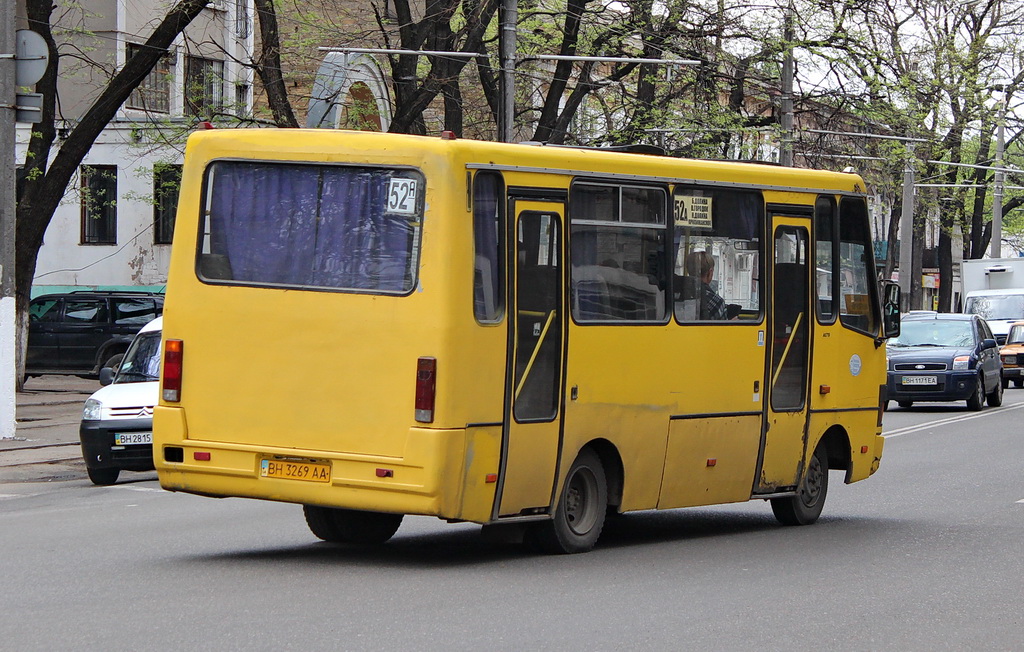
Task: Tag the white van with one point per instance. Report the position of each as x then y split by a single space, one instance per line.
117 422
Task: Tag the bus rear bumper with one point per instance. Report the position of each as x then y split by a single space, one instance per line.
437 476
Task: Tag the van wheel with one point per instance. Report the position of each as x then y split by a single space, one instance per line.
995 397
103 477
351 526
580 510
1006 383
1018 382
905 404
805 507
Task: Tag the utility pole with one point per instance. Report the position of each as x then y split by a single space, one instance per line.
8 329
507 52
907 230
997 193
786 107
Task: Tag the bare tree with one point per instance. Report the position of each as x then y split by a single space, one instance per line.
46 179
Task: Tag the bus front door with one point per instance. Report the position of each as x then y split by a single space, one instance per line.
785 435
536 348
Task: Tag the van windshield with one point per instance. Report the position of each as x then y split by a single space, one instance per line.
142 361
311 226
999 306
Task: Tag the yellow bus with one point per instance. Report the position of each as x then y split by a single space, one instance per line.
373 325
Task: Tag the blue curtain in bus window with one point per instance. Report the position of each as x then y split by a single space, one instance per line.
263 218
309 226
359 246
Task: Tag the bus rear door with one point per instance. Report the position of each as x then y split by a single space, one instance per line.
532 421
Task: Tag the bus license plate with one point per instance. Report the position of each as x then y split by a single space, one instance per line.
290 470
920 380
132 438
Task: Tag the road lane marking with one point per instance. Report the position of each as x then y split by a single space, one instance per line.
130 488
948 420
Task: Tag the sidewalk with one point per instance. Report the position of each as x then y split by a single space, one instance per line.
46 446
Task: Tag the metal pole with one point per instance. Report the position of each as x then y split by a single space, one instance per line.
786 108
507 46
907 229
997 193
8 368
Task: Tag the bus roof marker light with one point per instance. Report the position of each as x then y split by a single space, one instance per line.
174 351
426 388
448 135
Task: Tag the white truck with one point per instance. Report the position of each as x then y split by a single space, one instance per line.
994 289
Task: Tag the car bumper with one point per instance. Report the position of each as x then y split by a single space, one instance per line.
949 386
1013 372
100 452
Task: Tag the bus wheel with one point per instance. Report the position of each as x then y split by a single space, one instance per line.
350 526
103 477
805 507
580 511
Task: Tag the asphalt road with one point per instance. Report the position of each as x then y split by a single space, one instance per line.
925 555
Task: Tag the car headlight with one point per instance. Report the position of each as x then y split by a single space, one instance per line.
1010 359
961 362
93 410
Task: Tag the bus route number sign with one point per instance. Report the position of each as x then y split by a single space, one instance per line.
402 196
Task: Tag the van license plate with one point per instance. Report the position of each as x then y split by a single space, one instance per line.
920 380
289 470
132 438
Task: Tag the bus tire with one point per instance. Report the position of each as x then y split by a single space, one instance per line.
805 507
580 510
350 526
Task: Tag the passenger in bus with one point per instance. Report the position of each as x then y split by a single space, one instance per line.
700 266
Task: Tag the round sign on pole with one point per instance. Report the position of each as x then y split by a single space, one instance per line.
31 57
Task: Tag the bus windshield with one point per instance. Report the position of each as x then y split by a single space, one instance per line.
322 226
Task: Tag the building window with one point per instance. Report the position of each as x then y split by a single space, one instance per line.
242 22
166 182
99 204
154 93
204 87
242 100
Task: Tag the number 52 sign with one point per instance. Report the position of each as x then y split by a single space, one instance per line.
402 196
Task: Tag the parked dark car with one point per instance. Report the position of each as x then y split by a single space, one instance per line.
79 333
944 357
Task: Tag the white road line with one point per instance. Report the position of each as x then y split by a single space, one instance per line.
941 422
1020 502
130 488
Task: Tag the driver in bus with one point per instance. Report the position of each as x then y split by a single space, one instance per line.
701 265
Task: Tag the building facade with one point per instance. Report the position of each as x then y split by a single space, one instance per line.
113 229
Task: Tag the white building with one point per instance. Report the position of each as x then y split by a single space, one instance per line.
113 228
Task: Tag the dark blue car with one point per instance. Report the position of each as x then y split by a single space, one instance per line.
944 357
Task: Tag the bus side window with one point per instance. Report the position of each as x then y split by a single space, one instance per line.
489 260
726 224
826 245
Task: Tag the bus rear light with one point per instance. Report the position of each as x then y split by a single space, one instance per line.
173 353
426 386
201 456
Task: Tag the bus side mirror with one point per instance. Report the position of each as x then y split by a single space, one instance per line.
891 308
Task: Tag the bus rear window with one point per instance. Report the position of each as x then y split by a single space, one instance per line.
312 226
